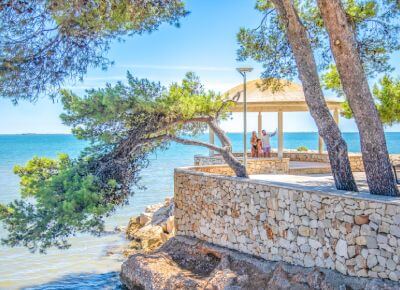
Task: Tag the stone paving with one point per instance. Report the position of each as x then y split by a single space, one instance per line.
314 181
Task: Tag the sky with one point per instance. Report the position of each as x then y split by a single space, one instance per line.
205 43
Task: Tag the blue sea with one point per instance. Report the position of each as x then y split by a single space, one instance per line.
88 264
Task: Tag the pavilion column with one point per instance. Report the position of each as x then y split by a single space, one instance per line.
320 140
336 115
211 138
320 145
280 134
259 124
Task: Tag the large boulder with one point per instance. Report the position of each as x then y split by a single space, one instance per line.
133 227
187 263
150 229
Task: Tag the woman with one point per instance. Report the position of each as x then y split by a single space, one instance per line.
253 143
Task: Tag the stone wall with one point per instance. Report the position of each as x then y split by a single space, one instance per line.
309 156
358 166
354 233
254 166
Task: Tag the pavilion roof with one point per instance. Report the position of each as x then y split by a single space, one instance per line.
289 99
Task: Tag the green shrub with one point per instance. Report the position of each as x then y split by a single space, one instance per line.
302 149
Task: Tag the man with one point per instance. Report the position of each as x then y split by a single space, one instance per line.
266 145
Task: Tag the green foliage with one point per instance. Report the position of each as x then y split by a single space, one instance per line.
4 211
105 115
387 94
124 123
302 149
109 114
268 45
36 171
359 11
67 199
188 101
331 80
387 99
45 43
263 5
346 110
376 24
103 17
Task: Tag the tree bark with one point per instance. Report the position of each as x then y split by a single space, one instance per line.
327 127
230 159
380 177
233 163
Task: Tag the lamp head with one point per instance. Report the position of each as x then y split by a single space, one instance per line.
244 69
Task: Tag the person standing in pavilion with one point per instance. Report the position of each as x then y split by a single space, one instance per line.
266 145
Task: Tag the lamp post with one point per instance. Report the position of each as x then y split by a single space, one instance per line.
243 71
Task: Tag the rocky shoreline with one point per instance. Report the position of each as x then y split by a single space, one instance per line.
157 259
151 229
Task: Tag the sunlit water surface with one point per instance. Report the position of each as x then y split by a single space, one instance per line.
88 263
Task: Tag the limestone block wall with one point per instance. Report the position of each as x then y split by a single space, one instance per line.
294 155
201 160
357 165
254 166
354 233
310 156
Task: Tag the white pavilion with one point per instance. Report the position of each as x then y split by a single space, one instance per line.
289 99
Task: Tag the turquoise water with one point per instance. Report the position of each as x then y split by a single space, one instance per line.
86 265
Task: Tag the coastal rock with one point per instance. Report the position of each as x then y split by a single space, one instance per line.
188 263
149 236
151 229
144 219
133 227
170 226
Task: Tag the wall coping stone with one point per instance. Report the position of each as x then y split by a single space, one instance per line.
292 151
291 186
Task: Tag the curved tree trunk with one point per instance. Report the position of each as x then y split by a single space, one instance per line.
235 164
225 150
327 127
380 177
230 159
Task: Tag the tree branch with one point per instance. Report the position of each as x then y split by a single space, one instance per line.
264 19
220 133
225 103
195 143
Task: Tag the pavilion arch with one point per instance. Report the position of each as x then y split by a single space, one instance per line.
289 99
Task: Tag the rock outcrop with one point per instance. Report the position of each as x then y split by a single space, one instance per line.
187 263
151 229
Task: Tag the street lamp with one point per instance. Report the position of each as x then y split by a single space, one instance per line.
243 71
